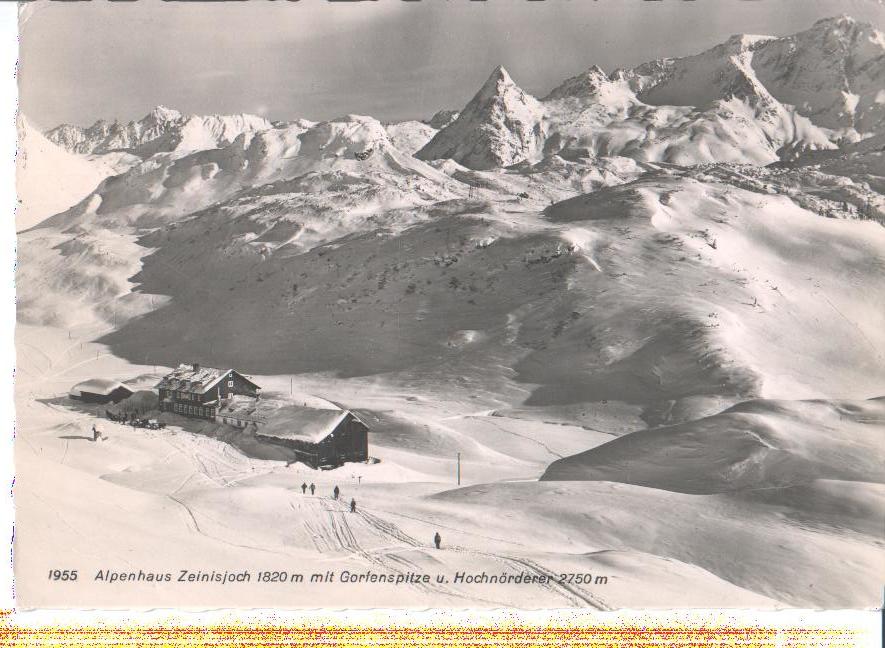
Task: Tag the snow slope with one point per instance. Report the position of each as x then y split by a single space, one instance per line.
49 179
410 136
340 153
753 445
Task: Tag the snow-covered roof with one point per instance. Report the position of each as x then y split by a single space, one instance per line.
284 419
193 378
300 423
101 386
245 408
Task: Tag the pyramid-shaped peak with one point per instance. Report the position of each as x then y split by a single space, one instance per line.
501 73
497 82
163 113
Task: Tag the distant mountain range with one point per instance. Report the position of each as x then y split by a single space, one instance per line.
751 99
161 130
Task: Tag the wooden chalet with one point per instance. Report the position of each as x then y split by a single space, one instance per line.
320 438
197 391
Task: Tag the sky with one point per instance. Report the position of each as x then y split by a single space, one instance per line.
394 60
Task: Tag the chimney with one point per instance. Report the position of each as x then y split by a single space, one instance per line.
196 366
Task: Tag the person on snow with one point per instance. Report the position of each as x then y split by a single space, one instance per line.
312 488
352 505
437 539
336 492
96 435
303 488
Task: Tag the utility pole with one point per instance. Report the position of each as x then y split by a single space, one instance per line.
459 469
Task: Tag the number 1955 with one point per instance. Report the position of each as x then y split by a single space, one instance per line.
63 574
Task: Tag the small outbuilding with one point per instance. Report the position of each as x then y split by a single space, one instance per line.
320 438
100 390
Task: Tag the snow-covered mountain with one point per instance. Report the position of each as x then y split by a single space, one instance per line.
73 176
832 73
347 155
410 136
161 130
500 126
754 99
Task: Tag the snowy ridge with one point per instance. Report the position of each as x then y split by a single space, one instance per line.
163 129
755 99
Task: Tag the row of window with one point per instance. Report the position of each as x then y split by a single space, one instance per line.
191 410
233 421
179 395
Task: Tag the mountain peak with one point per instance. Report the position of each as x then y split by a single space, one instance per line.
500 126
501 73
586 84
842 21
842 28
163 113
497 82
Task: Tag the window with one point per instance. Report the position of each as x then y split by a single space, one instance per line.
230 383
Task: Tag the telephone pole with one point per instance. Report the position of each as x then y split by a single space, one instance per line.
459 469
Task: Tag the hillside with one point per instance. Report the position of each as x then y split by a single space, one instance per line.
753 445
73 176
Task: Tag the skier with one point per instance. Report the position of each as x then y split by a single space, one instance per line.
352 505
437 539
96 435
312 488
304 488
336 492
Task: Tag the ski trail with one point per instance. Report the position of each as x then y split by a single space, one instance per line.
575 595
344 538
